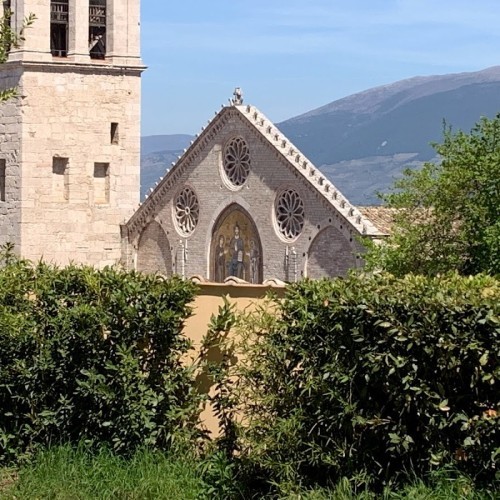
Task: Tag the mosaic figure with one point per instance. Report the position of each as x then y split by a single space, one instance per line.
254 262
220 260
236 249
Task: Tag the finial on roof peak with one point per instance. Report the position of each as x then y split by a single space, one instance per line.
238 97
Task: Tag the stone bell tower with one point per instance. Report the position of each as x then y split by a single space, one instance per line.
70 140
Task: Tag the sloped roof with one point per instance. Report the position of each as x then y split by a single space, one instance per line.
361 222
382 217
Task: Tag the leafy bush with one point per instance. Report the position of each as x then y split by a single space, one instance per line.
92 355
373 378
446 215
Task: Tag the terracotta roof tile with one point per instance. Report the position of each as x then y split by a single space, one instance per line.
381 217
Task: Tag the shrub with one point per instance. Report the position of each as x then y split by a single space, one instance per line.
92 355
372 378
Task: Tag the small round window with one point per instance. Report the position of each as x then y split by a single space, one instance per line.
236 162
186 211
289 213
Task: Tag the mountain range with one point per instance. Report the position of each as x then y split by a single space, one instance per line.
363 141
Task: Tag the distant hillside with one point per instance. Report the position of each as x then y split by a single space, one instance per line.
363 141
157 154
156 143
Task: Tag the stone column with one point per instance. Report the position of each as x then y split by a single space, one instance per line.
78 49
123 32
36 46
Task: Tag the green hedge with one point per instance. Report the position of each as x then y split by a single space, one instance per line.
92 355
374 378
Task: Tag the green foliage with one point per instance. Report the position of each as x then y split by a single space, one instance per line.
448 214
9 39
67 473
80 473
440 486
92 355
373 378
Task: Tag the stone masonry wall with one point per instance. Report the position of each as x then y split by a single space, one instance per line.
74 215
329 255
154 253
10 135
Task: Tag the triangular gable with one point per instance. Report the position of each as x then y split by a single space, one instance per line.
287 151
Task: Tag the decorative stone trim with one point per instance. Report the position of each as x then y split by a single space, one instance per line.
236 163
186 211
289 214
297 161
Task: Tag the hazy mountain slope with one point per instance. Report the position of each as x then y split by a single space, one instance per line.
157 154
360 180
363 141
409 127
154 166
397 93
156 143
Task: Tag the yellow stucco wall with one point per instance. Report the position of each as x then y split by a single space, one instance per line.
210 297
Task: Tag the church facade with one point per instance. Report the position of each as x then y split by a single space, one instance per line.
243 203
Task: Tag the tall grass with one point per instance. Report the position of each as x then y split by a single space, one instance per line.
64 473
443 485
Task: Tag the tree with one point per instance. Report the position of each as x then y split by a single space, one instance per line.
10 38
447 214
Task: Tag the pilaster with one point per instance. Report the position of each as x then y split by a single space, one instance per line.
123 34
36 46
78 50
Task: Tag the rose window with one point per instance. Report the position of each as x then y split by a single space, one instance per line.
237 161
289 214
187 211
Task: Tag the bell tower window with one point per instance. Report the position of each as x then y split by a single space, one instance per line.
97 29
6 20
59 28
6 11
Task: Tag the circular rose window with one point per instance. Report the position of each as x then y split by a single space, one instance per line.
289 213
236 161
186 211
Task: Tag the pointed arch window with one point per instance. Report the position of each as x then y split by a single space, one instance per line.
236 248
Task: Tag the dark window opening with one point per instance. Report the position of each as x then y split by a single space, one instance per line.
97 29
2 180
114 133
59 28
60 179
6 19
101 183
7 11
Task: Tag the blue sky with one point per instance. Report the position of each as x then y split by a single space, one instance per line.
291 56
